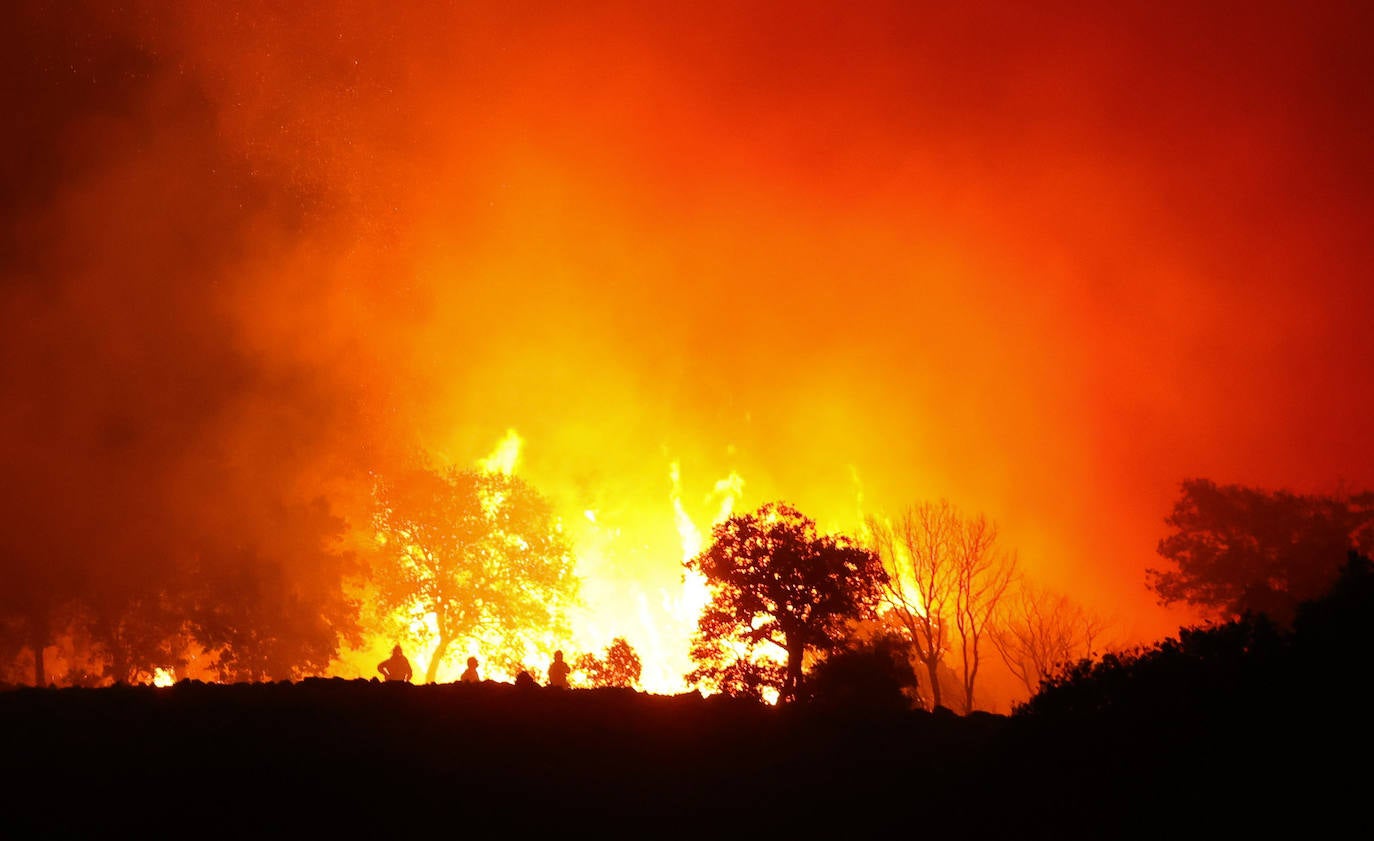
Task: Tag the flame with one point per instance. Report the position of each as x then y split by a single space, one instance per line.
633 588
687 531
163 677
621 599
505 457
728 490
633 583
686 606
899 567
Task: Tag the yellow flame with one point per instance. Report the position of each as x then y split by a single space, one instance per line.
505 457
634 585
694 594
728 490
687 531
163 677
899 566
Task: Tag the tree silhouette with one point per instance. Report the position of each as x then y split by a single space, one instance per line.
275 608
41 557
777 586
620 667
1039 633
984 573
135 635
135 608
946 577
11 651
1250 669
1238 549
32 624
1177 729
476 551
871 671
1335 630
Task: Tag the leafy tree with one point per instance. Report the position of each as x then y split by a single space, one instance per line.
41 556
1248 669
133 636
274 608
778 586
1335 631
1237 549
620 667
870 672
473 552
1203 670
1241 705
137 603
12 651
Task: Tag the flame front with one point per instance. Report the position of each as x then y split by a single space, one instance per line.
506 455
634 585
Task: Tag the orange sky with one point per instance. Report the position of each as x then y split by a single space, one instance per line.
1044 263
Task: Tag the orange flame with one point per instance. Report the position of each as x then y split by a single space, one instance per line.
629 588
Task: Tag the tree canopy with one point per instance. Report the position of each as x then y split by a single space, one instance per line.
873 671
1238 549
778 586
620 667
479 552
274 609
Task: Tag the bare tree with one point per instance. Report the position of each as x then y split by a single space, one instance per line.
1039 631
918 551
984 572
946 576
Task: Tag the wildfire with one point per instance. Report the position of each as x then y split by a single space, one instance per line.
634 585
505 457
620 599
686 529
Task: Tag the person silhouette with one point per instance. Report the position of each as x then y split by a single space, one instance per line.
558 671
524 680
396 668
470 673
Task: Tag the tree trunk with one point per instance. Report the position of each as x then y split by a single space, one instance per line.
790 686
933 669
432 672
119 664
38 640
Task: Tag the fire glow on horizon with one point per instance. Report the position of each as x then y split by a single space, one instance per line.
668 262
657 621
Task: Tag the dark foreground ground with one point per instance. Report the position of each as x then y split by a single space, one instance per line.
340 758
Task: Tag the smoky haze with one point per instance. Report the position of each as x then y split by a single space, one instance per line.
1043 263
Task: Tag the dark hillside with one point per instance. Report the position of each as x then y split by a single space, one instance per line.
1246 729
357 755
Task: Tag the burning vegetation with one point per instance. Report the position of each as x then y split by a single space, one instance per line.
494 334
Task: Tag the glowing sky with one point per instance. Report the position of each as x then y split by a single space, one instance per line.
1044 262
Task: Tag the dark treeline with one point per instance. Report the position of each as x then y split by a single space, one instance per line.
920 606
1246 726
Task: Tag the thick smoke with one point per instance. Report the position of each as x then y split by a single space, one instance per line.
1044 263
